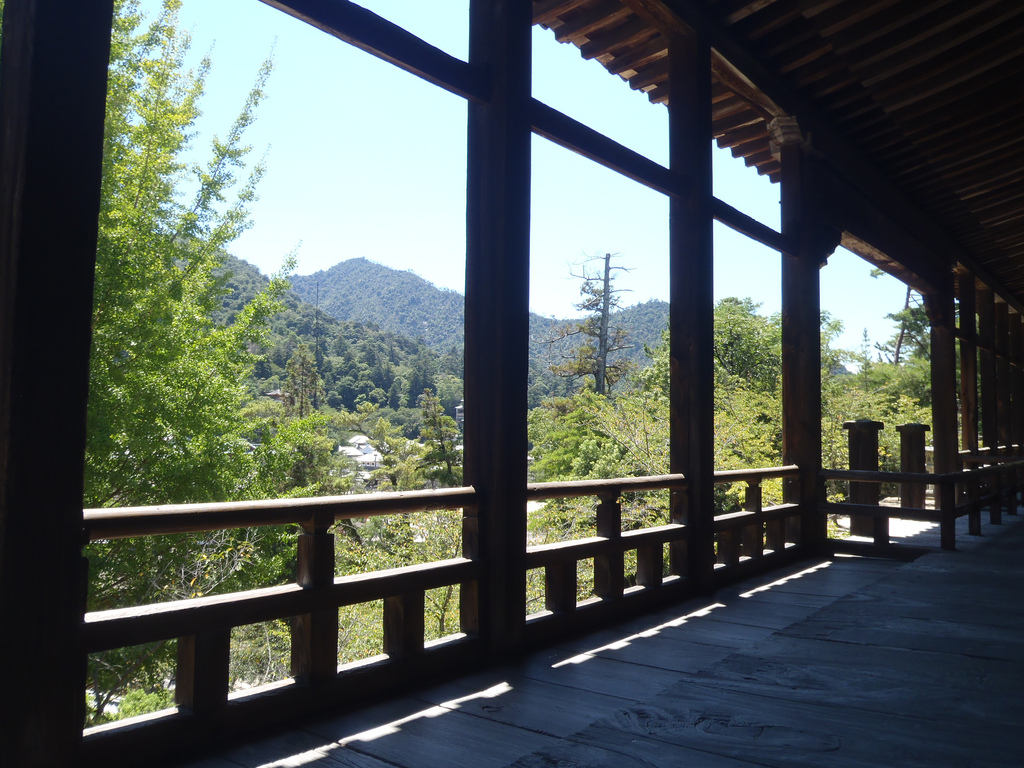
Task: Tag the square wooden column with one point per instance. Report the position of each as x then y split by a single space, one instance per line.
811 242
497 322
941 312
987 369
1002 355
53 91
1016 383
691 317
968 362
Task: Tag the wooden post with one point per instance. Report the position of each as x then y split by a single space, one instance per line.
52 102
1002 355
939 307
912 460
560 587
1015 384
753 535
497 324
947 510
691 319
403 625
608 569
315 635
201 684
650 562
968 362
987 370
864 456
811 242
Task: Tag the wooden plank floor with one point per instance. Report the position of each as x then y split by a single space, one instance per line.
848 662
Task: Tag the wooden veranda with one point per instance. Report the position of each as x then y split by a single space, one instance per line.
831 662
894 128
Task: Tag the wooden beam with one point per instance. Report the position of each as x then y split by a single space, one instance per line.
497 323
369 32
829 143
584 140
691 319
52 102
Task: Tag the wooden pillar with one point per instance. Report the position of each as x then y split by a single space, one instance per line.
912 460
987 369
497 323
52 101
609 573
1002 355
864 456
811 242
940 309
691 318
315 635
1016 402
968 362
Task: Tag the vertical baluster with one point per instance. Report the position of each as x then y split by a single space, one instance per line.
947 509
728 546
201 683
995 484
403 625
753 534
315 635
560 587
650 564
974 495
608 569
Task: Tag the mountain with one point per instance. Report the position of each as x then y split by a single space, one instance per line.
362 290
402 302
358 361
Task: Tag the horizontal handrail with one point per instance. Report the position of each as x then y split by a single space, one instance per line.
123 522
731 520
565 489
756 475
120 627
874 476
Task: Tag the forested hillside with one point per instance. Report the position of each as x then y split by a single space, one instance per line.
393 300
357 360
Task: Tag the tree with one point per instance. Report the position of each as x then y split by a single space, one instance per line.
594 357
304 389
442 461
167 382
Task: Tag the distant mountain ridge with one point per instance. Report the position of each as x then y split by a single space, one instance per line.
402 302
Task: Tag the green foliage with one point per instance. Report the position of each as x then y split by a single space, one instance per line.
303 389
163 420
442 458
596 338
165 423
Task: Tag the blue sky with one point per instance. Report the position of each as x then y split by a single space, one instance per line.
365 160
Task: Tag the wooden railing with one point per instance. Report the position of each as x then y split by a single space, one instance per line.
993 482
756 538
202 626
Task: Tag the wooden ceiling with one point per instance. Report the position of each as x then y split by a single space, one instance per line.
928 93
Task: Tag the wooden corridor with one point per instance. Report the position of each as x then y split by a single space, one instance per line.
847 662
